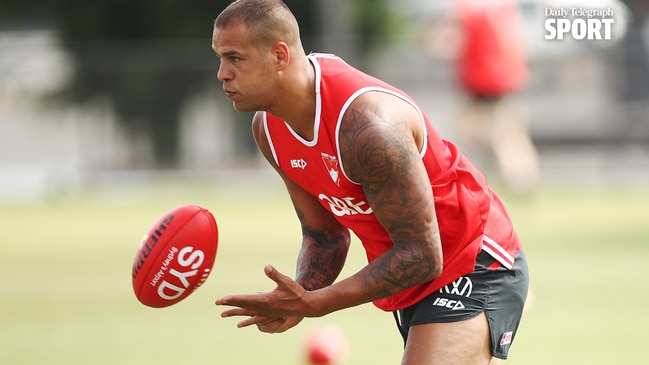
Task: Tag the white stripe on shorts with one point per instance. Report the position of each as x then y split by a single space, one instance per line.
497 252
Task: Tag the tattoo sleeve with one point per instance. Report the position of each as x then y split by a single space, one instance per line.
380 153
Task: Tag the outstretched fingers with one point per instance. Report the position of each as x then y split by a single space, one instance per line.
280 279
286 300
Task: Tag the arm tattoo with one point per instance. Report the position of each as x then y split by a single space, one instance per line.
382 156
321 258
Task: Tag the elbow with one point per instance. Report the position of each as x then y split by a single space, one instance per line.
415 264
436 272
432 274
435 264
418 265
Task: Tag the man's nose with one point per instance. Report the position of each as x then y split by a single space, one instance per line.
223 74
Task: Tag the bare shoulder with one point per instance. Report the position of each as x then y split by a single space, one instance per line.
379 134
258 127
259 133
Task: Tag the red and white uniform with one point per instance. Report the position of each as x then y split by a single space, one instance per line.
469 215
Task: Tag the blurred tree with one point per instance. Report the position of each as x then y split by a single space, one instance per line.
148 57
374 23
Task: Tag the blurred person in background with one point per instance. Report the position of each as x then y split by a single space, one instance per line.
357 154
483 39
633 68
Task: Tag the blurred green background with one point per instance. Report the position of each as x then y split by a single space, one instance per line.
67 296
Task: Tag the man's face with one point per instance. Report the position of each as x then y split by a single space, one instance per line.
248 76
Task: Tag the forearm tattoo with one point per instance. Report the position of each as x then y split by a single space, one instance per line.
321 258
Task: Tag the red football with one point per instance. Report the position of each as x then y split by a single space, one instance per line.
175 257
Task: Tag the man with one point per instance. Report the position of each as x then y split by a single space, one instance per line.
483 39
491 68
358 154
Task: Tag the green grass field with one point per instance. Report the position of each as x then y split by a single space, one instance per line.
66 297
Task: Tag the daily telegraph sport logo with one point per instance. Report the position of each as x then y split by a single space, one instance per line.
579 23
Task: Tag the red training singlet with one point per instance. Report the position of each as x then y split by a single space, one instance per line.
469 215
492 62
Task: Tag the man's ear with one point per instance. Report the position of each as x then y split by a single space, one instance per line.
282 55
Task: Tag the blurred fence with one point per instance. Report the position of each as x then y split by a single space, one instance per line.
588 107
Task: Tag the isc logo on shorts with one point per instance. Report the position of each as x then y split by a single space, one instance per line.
463 286
449 303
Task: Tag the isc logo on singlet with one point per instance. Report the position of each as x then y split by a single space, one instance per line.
346 206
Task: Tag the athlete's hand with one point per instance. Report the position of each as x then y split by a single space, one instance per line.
274 325
274 311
